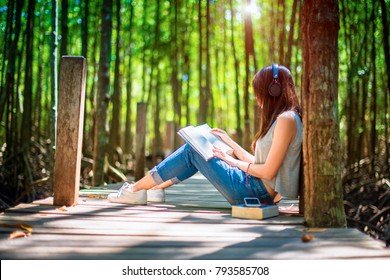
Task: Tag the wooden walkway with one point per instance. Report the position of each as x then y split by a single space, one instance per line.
194 223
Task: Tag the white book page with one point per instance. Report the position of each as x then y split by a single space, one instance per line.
214 140
202 140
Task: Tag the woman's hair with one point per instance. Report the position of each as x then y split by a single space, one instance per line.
272 106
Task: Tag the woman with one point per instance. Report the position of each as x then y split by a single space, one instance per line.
269 174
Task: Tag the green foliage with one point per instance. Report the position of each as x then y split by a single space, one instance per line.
355 45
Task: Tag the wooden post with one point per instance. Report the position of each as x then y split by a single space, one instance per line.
140 141
71 99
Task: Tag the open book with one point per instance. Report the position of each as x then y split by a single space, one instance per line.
202 140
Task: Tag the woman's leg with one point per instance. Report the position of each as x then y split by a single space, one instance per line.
163 186
178 172
181 177
144 183
229 181
185 162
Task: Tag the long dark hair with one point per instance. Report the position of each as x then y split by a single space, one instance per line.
272 107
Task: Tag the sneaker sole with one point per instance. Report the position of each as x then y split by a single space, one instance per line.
118 200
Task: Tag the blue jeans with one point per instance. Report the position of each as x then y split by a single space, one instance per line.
230 181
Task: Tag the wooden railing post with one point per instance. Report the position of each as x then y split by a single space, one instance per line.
71 100
140 141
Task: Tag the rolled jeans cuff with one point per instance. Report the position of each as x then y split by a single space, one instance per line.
157 178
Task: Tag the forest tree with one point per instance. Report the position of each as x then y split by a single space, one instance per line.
321 141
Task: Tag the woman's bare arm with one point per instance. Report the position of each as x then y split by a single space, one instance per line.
285 131
239 151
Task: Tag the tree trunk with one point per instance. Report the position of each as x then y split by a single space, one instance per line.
154 53
103 96
272 34
64 27
7 49
175 53
321 144
156 149
373 100
362 142
10 189
386 49
140 132
298 54
203 102
84 30
26 128
115 129
53 81
224 93
84 52
186 57
9 87
249 51
128 143
352 106
144 48
282 29
157 141
208 94
236 76
89 137
287 60
40 80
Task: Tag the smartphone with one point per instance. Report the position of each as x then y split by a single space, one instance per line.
252 202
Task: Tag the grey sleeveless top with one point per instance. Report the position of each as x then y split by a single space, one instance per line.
286 180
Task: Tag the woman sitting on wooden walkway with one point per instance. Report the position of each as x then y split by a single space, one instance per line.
270 174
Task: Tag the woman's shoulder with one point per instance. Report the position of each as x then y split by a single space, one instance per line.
287 116
291 116
289 121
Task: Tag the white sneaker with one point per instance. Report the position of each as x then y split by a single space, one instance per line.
157 195
127 196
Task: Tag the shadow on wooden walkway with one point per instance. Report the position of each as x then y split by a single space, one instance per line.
194 223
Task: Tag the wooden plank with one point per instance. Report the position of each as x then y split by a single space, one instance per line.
154 211
96 229
71 96
142 229
179 227
55 240
169 196
187 227
144 217
201 204
101 204
138 220
269 246
189 253
146 248
168 241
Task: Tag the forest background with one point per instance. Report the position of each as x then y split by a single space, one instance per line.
190 61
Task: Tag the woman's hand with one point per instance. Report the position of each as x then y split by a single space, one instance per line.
238 151
222 134
217 152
